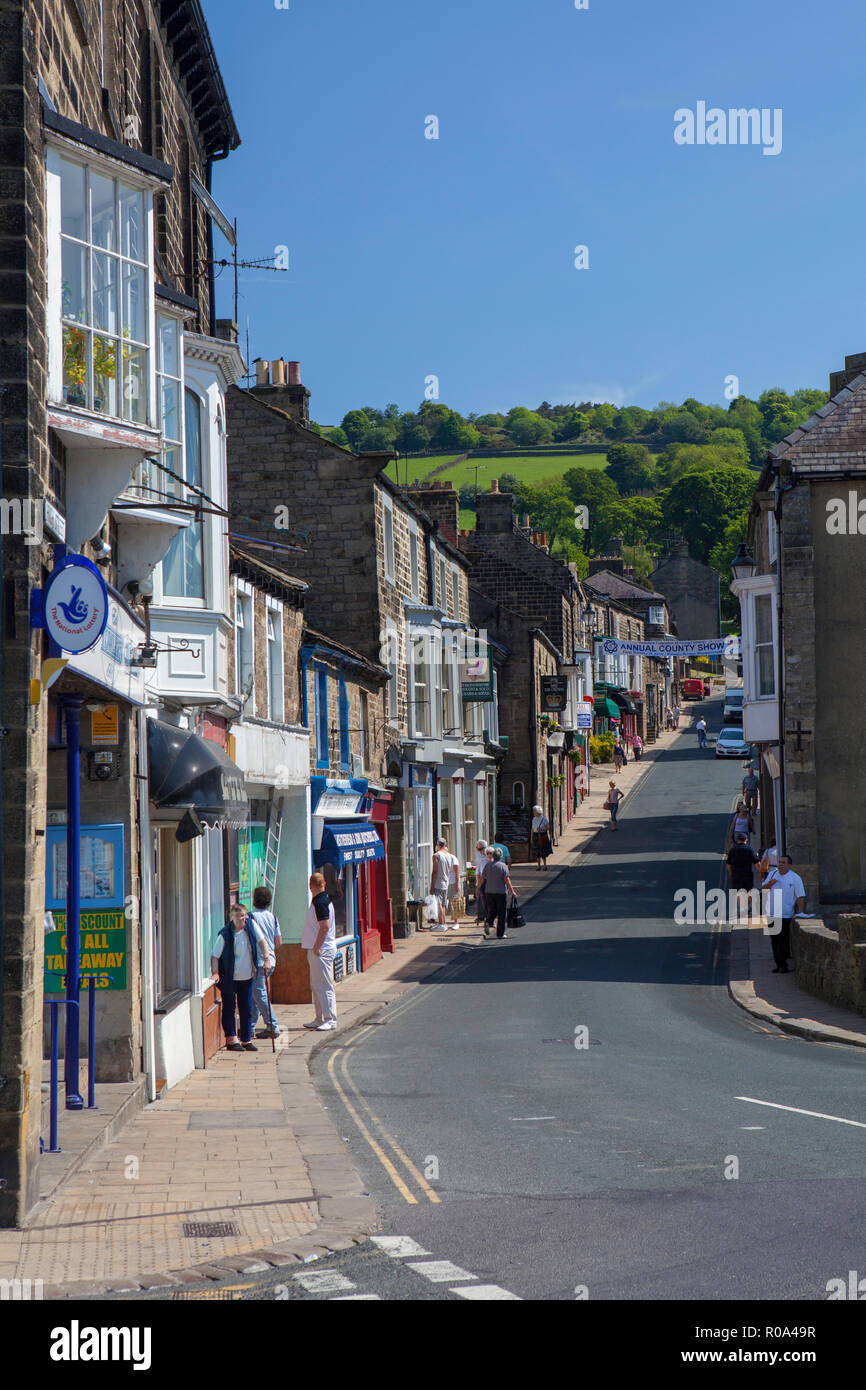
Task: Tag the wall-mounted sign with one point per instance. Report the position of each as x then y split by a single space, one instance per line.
584 720
476 679
104 725
554 693
75 605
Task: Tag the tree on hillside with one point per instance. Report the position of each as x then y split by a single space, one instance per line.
722 555
590 488
700 505
679 459
744 415
355 425
629 421
525 427
680 427
336 436
602 417
571 425
779 414
733 439
630 466
807 401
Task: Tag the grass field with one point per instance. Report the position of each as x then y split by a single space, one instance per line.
528 468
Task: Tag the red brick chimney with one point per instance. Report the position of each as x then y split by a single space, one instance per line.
286 395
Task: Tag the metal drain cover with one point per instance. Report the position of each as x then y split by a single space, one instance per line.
209 1230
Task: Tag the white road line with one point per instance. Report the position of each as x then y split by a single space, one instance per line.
816 1114
323 1281
533 1117
356 1298
485 1291
398 1246
441 1271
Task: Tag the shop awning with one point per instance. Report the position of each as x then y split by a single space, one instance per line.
606 708
349 844
623 699
191 773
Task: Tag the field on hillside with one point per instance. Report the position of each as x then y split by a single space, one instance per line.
528 468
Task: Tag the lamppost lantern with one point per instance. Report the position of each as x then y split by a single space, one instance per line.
743 564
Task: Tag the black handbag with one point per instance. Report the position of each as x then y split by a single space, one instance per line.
515 917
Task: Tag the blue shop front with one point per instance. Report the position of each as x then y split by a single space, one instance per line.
349 849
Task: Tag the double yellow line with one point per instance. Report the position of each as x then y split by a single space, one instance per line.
339 1063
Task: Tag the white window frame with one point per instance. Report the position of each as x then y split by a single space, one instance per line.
274 620
443 584
245 603
756 646
388 542
162 598
414 562
747 591
106 167
421 644
772 537
449 692
393 664
455 591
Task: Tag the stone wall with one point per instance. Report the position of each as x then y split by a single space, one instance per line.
832 964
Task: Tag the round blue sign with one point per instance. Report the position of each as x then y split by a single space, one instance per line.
76 605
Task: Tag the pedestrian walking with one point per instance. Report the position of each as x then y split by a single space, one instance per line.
676 716
319 940
741 824
618 755
751 782
503 850
769 857
614 797
741 860
701 727
270 929
497 886
787 900
480 863
441 877
541 846
637 747
241 948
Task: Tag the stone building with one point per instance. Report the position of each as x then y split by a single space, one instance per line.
803 659
691 591
642 686
532 604
389 583
111 120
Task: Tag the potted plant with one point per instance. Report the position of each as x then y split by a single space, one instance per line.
104 368
75 364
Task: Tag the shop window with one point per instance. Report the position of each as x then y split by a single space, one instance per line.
322 751
344 726
446 812
470 834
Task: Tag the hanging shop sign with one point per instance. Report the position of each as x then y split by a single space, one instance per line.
554 693
75 605
476 679
103 907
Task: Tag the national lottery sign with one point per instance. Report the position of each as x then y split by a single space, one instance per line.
721 646
76 605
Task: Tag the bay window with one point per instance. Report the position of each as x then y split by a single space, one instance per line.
106 293
183 566
421 684
765 672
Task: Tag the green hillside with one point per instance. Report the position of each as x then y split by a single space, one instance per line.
529 468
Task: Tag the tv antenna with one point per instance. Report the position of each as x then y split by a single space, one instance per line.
230 232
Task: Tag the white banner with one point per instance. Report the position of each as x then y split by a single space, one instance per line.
721 646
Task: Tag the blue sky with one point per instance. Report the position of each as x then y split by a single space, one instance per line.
455 257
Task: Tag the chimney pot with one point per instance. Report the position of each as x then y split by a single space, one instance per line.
278 372
294 373
263 373
494 484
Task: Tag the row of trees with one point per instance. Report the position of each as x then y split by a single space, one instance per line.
749 427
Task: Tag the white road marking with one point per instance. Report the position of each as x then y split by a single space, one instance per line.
397 1246
441 1271
356 1298
816 1114
323 1281
751 1126
533 1117
485 1291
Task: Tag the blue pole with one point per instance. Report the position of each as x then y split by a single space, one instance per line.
91 1043
53 1147
72 709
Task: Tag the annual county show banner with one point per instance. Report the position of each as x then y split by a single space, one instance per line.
721 646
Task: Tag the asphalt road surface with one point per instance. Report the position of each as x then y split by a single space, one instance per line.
509 1162
631 1167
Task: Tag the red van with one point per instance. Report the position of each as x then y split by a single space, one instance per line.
692 689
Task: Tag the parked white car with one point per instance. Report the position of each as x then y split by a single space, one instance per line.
731 743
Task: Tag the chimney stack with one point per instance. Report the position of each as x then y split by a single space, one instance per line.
442 504
289 396
494 510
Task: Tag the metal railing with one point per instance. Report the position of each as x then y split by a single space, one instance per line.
54 1076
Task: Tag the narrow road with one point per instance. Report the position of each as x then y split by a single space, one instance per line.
638 1166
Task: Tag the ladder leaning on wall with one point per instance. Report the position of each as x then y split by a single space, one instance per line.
272 842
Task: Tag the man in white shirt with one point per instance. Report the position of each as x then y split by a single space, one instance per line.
701 727
787 898
319 940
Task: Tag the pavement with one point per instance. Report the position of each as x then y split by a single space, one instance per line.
248 1143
